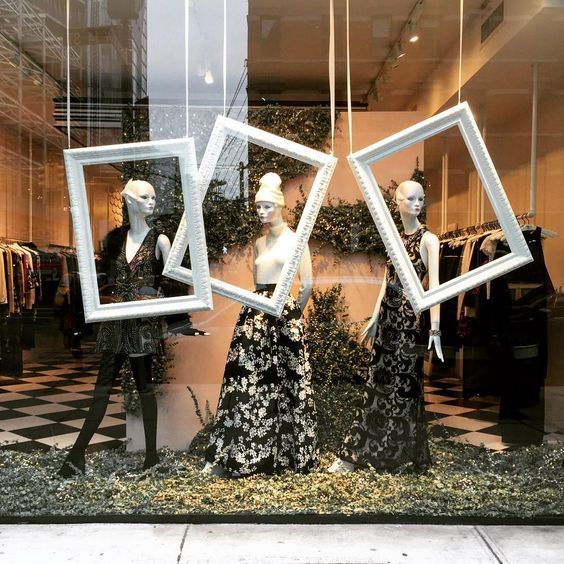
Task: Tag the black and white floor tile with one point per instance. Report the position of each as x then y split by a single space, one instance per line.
47 404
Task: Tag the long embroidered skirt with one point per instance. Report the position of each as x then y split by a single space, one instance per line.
266 419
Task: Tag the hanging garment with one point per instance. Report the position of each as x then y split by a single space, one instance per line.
389 430
131 281
266 419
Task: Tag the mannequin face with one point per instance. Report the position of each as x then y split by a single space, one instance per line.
267 211
410 199
141 200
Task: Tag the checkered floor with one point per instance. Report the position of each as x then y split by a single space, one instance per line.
47 405
468 420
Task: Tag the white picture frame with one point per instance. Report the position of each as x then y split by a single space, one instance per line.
325 164
184 151
360 161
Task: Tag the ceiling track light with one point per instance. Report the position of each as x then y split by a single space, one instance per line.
409 32
397 51
413 30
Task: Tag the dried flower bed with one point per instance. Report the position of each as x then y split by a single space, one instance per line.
465 481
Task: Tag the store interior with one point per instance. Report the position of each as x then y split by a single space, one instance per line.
127 83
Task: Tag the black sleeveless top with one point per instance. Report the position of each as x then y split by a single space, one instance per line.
131 281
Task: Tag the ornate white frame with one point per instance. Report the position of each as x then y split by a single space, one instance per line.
184 150
360 162
325 164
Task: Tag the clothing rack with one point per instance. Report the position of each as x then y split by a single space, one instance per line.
522 219
60 247
9 240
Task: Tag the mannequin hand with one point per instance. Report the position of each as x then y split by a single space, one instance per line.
435 340
369 332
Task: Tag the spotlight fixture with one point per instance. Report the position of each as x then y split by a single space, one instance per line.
413 31
208 77
398 51
409 33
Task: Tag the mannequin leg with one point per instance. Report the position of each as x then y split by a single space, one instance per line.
141 368
110 365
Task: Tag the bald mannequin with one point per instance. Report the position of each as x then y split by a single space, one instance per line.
410 199
140 199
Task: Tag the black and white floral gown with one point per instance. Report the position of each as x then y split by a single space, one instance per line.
389 431
266 419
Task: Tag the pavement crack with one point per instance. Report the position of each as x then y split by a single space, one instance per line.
495 551
182 544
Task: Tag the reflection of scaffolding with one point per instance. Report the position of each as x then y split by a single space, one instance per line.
28 120
27 48
39 40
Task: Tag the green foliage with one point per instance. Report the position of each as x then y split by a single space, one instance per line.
307 126
348 227
229 223
334 350
464 481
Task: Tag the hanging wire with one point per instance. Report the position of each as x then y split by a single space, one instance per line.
68 75
332 70
460 50
349 95
186 59
224 56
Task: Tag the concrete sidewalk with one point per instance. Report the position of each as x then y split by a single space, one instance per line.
227 543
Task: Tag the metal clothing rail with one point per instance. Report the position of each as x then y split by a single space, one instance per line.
522 219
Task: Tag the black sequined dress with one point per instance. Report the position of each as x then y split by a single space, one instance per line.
136 280
389 431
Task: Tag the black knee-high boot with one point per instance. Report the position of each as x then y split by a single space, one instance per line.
110 365
141 369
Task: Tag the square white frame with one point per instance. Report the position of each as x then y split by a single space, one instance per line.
184 150
360 162
326 165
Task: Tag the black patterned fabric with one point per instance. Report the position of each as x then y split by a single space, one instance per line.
136 280
389 431
266 419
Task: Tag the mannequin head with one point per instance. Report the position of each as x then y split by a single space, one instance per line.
269 199
139 197
410 198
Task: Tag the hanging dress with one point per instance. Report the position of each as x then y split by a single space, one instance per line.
266 419
132 281
389 430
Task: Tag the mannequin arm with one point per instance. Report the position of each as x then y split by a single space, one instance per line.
255 255
369 332
163 247
306 278
433 248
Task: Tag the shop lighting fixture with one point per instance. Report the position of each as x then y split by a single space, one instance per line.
413 31
208 77
398 51
409 32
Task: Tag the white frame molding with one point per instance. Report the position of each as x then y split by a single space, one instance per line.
184 150
360 161
325 164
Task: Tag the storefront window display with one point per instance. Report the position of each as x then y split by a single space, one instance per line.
285 362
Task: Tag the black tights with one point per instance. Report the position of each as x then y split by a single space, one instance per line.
110 366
